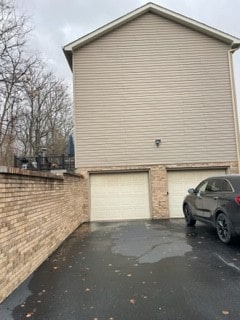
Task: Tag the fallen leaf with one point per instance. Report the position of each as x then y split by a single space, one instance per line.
129 275
132 301
87 290
55 268
28 315
225 312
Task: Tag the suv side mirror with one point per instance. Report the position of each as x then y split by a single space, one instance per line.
191 191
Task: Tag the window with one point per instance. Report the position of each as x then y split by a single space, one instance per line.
218 185
226 186
202 186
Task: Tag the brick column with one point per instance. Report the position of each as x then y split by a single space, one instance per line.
158 177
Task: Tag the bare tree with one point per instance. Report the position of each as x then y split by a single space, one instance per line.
35 106
13 66
46 115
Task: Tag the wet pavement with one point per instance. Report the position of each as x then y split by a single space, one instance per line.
143 270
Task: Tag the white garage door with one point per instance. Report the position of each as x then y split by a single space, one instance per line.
178 184
119 196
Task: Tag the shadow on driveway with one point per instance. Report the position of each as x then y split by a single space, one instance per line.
133 270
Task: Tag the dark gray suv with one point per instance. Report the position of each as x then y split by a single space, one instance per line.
216 201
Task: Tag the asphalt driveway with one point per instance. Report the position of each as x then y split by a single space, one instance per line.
133 270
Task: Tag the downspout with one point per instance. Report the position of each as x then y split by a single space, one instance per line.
234 103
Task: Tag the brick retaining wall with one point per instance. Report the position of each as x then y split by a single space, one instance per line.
37 212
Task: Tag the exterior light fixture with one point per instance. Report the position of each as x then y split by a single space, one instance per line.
157 142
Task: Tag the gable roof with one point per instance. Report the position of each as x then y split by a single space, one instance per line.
233 42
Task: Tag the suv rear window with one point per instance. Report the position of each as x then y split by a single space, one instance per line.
226 186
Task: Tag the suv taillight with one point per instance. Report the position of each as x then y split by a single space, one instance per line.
237 199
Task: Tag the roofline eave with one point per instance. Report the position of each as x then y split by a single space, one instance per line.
150 7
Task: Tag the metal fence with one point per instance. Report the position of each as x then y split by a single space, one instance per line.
46 163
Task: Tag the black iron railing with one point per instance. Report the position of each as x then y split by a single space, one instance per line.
45 163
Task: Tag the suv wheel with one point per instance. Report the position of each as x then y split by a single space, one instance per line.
224 229
188 216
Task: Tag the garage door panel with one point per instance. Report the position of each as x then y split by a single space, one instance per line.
119 196
178 184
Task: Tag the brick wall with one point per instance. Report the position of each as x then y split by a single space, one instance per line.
37 212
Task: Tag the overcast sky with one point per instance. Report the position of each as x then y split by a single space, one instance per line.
58 22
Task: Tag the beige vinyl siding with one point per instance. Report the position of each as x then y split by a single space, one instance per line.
152 78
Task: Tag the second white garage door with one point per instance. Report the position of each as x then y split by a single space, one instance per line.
178 184
119 196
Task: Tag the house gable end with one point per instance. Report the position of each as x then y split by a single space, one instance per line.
150 79
233 42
